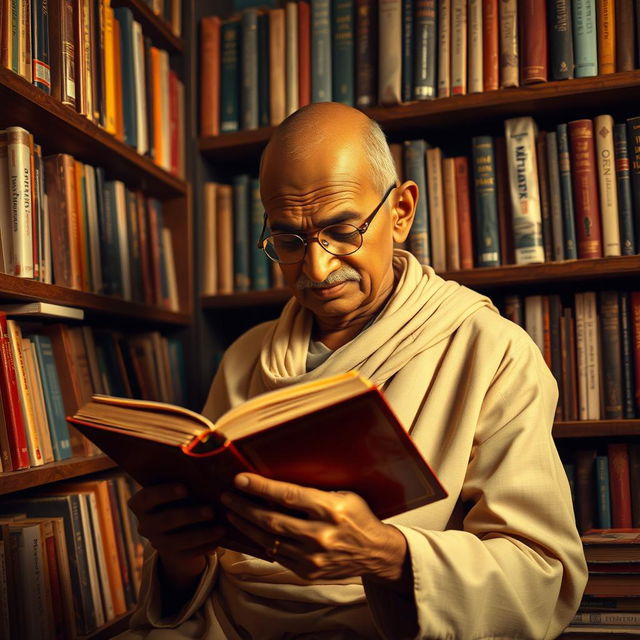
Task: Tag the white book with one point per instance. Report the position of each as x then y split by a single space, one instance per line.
291 59
581 357
476 80
92 565
534 320
451 214
444 48
389 51
6 234
170 269
435 194
42 309
20 190
458 47
509 63
603 130
592 340
93 228
139 76
209 242
123 238
522 164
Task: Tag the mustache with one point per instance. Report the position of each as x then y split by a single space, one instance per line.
343 274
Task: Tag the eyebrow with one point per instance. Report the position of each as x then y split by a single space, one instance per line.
339 218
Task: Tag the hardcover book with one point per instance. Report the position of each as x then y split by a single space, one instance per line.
294 434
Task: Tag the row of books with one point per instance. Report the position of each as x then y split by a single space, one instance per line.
611 604
231 259
48 371
170 11
96 60
63 222
528 197
70 559
605 485
260 66
591 343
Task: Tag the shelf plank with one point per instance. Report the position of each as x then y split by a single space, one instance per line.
596 428
246 299
153 25
13 288
590 635
600 92
110 629
60 129
11 481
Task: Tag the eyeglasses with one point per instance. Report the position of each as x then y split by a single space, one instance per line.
337 239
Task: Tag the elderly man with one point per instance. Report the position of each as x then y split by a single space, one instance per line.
499 558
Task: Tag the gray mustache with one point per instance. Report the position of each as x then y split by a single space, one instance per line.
344 274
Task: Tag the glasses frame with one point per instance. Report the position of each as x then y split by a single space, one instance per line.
362 229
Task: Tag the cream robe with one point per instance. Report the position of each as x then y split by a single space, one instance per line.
499 558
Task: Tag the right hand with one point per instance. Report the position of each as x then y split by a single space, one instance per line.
182 534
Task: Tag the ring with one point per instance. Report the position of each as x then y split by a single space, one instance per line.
273 550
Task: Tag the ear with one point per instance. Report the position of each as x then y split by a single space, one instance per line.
404 210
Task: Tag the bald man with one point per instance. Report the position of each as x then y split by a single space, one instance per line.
499 558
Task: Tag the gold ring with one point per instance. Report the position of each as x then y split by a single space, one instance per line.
273 550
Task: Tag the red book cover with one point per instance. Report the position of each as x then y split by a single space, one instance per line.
174 129
463 206
585 189
505 217
635 327
620 486
490 45
210 76
11 402
532 16
304 53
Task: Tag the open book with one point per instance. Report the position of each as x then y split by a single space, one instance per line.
337 433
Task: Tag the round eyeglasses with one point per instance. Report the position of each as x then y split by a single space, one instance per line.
337 239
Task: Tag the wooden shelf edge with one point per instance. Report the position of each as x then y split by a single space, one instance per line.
245 299
111 628
595 428
601 635
54 121
11 481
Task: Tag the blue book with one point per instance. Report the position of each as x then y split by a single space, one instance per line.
321 83
54 406
407 50
229 76
241 278
343 32
259 263
263 70
570 470
415 169
124 16
486 201
585 44
425 38
250 87
566 192
40 44
602 488
623 181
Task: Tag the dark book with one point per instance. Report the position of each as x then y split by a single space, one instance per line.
555 320
634 309
505 215
603 493
560 39
149 93
229 76
618 453
623 181
124 16
545 207
532 16
634 481
249 102
626 343
264 115
585 489
569 381
304 53
343 54
611 354
633 138
241 209
40 42
611 545
62 52
96 26
284 434
425 38
407 51
566 193
366 52
259 263
625 35
555 195
321 84
112 277
415 169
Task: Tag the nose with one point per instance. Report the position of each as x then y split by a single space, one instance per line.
318 263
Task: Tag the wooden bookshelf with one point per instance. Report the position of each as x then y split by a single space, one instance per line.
246 299
113 627
596 428
609 635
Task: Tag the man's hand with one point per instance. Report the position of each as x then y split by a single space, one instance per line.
339 537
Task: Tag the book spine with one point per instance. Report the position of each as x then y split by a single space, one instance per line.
225 234
264 117
505 216
593 356
463 209
342 55
475 46
514 309
6 234
555 320
444 48
459 26
389 52
623 184
365 52
607 617
229 81
291 59
149 89
451 214
585 189
611 354
40 31
569 366
635 328
625 35
581 357
486 206
534 321
566 191
626 340
606 36
435 196
258 260
520 134
585 43
321 81
241 232
109 75
249 66
124 16
407 50
543 190
114 523
555 197
40 235
620 484
62 49
490 45
304 53
585 488
602 487
633 138
560 39
533 20
509 59
425 46
415 169
634 481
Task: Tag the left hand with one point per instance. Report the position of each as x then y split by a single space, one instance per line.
339 538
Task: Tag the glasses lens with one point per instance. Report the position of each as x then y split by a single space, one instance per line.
284 247
340 239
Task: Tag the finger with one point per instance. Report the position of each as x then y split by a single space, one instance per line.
152 497
314 502
167 520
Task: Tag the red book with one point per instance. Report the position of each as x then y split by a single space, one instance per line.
619 484
174 118
11 402
532 16
490 45
505 217
304 53
463 205
210 76
585 189
635 326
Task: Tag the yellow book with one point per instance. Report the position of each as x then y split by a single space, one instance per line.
109 70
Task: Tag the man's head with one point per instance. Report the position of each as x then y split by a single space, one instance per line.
329 163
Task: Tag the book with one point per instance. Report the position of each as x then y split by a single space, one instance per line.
435 195
560 39
276 434
585 44
425 47
321 83
459 63
366 53
43 309
444 48
566 192
342 54
304 53
475 47
389 52
210 76
415 169
292 90
490 45
623 182
625 36
407 50
277 66
533 22
509 60
611 545
606 35
249 115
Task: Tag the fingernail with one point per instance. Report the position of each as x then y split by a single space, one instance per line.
242 481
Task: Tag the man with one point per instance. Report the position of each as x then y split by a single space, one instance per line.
499 558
